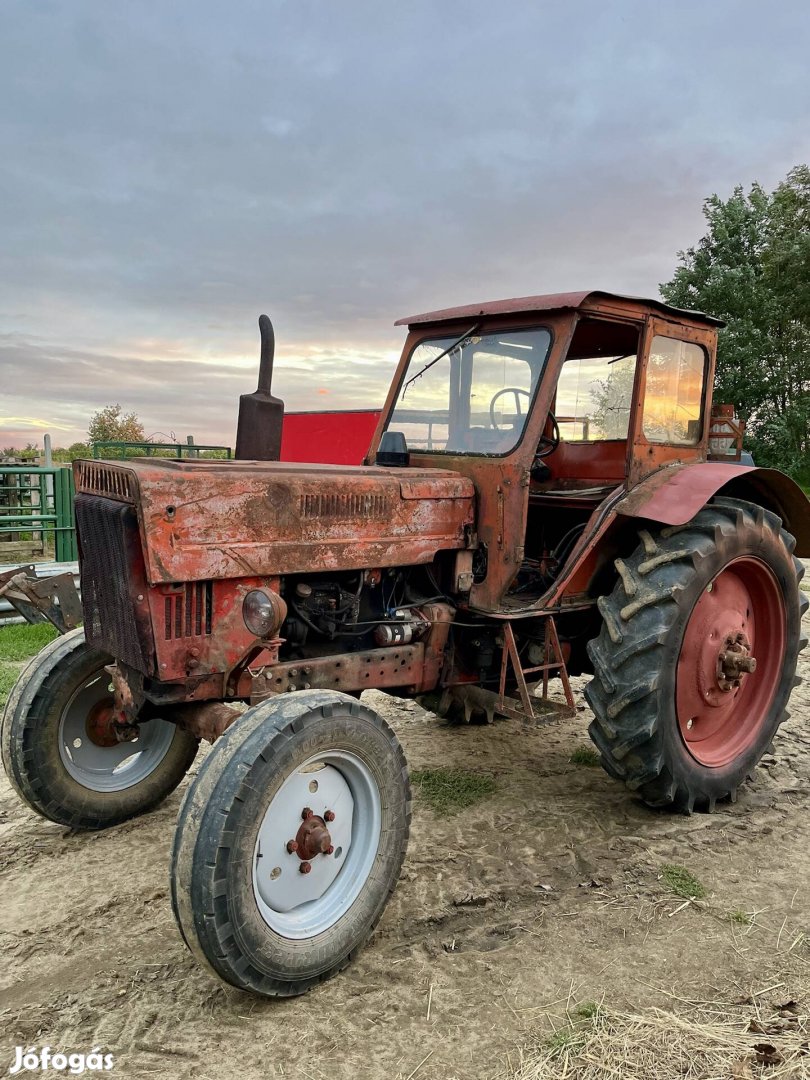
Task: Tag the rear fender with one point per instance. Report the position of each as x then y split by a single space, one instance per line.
672 496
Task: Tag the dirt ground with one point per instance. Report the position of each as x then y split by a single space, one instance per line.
545 893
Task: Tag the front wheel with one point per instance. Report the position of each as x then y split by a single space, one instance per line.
697 655
290 841
59 751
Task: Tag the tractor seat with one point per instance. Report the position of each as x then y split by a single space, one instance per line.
593 494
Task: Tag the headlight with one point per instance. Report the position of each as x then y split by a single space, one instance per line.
263 612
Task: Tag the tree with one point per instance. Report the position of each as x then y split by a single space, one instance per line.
611 398
75 450
26 453
110 425
752 269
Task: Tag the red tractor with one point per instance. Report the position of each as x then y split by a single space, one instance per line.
538 500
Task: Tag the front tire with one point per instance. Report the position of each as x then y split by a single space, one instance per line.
314 769
697 655
55 757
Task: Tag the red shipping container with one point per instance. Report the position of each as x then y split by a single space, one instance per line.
332 438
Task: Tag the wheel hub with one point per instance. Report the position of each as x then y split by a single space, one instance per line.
301 871
101 753
313 836
305 884
723 692
734 662
99 724
103 726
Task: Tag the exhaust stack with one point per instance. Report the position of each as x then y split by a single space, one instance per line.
261 416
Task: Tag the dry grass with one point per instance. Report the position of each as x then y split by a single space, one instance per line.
744 1040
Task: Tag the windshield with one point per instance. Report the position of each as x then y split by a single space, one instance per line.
475 399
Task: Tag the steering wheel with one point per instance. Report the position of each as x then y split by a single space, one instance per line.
547 444
517 392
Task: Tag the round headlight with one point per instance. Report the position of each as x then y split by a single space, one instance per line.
262 613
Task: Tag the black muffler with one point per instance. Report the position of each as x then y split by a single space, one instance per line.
261 415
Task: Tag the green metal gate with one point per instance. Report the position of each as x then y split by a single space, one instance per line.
36 514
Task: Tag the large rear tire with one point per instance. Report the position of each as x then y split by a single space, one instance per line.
697 655
290 841
56 756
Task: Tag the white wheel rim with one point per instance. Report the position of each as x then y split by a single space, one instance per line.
297 905
108 768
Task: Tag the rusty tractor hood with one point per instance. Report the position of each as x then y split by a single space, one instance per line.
202 520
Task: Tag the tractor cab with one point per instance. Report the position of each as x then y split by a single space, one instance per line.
550 404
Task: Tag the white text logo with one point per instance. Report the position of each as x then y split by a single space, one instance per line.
31 1060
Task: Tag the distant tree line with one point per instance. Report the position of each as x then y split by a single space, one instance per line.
110 424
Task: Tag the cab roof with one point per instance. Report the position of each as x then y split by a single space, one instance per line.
550 302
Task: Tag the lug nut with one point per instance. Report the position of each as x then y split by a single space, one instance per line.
305 867
292 846
306 813
329 815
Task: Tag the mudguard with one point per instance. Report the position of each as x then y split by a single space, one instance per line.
673 495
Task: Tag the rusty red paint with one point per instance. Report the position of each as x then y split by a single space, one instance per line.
186 645
312 838
99 724
674 494
205 719
205 520
549 302
397 666
662 495
730 662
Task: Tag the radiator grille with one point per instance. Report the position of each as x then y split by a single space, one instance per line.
349 505
110 548
99 479
188 612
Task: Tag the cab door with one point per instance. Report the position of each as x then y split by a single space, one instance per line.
672 399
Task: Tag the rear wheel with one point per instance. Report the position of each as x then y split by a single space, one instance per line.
697 655
60 751
290 842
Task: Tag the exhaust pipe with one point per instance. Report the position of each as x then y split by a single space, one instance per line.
261 416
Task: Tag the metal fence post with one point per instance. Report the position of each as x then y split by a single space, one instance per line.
66 546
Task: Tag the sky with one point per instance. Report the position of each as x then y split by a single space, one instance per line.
168 171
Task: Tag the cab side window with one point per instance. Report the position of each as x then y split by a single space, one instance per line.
595 388
673 396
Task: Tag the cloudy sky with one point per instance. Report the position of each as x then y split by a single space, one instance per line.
170 170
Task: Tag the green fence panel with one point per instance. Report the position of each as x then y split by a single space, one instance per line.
36 513
112 449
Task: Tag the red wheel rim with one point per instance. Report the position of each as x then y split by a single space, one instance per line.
731 662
